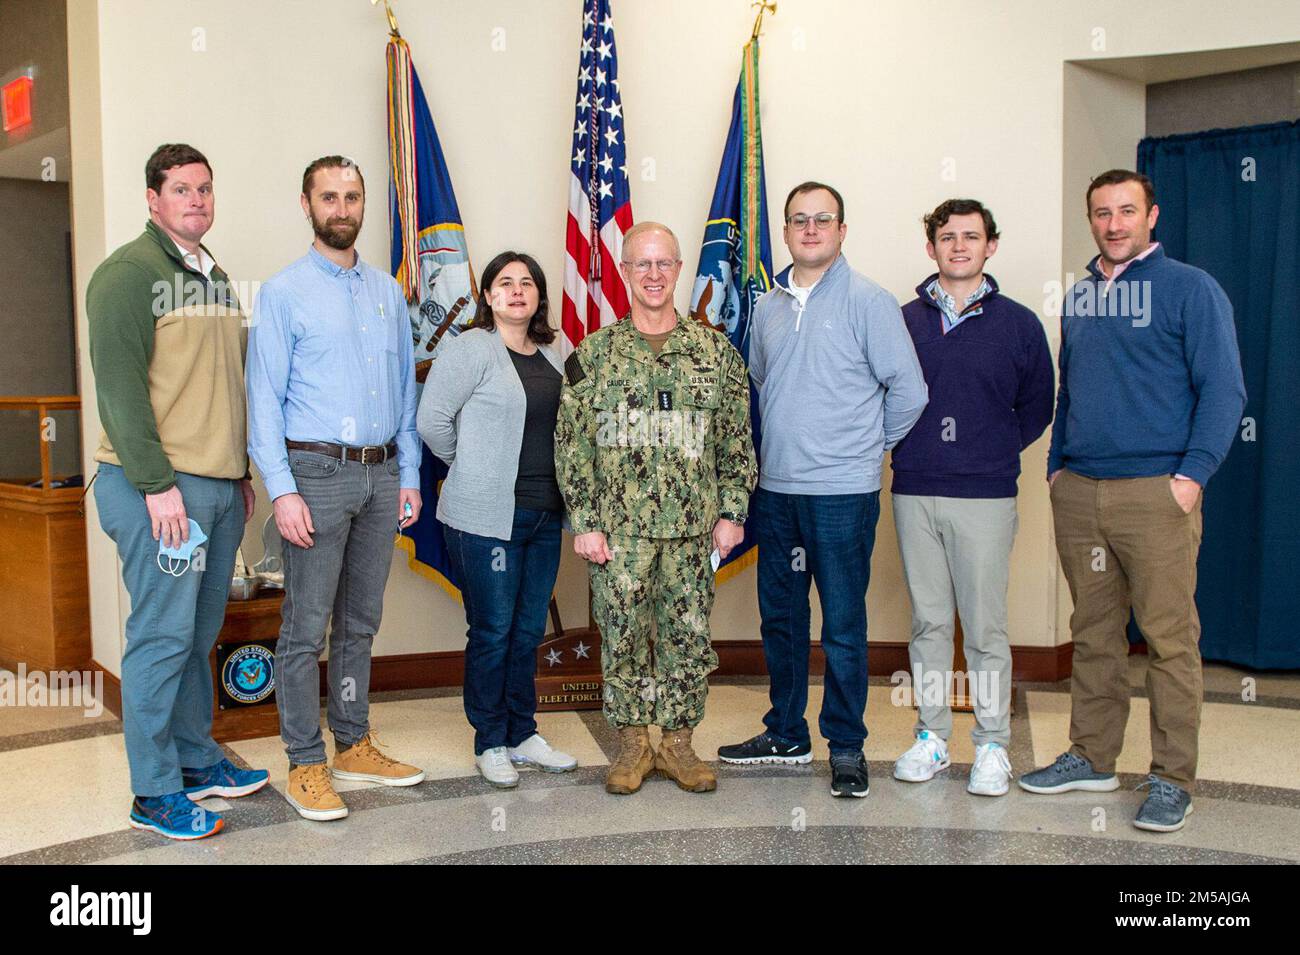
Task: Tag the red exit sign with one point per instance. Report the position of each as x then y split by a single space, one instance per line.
17 102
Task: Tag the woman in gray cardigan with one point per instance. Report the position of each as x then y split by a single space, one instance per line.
488 410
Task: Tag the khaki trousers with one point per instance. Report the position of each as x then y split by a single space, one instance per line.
1125 543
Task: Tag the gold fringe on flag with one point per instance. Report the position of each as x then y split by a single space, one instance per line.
401 159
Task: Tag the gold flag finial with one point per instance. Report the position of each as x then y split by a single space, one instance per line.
392 20
763 7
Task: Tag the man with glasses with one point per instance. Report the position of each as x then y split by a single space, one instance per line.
838 384
654 456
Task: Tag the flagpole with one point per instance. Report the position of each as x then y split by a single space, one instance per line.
758 23
392 20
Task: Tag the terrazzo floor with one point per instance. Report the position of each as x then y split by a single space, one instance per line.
65 793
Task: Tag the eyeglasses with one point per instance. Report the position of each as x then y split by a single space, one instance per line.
643 265
823 220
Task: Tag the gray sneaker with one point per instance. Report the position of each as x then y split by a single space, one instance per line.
1166 808
1069 772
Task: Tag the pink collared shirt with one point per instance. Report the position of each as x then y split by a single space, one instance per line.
1118 270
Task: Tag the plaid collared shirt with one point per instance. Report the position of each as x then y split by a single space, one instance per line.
952 317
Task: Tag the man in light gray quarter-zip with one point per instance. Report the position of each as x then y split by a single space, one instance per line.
838 384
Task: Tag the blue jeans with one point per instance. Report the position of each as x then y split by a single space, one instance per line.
507 589
829 539
174 621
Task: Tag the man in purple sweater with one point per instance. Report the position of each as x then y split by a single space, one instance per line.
989 372
1151 398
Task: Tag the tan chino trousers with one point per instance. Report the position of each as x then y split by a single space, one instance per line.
1126 543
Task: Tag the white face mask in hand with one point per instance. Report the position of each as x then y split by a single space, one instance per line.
179 556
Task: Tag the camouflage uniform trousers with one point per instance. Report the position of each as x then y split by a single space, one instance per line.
669 581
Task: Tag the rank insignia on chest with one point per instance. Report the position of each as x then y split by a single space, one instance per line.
664 400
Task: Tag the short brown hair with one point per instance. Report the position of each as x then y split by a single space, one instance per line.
169 156
329 162
958 207
811 186
1113 177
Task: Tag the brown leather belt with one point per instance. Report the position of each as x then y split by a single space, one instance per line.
371 454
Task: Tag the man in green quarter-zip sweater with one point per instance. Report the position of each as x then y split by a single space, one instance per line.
167 342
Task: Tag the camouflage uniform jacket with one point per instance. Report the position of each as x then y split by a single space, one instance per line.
654 446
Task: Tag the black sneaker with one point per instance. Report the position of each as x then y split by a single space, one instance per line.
849 775
763 748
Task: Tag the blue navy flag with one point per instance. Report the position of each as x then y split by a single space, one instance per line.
430 259
736 257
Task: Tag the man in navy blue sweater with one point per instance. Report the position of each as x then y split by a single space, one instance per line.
989 373
1150 398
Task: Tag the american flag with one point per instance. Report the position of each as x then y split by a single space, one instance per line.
600 203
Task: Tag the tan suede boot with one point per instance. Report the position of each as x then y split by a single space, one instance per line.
310 791
366 763
635 760
676 760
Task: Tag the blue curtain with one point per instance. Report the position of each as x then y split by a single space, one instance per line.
1230 204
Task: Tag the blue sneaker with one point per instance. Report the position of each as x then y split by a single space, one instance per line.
1166 808
174 816
1069 772
224 779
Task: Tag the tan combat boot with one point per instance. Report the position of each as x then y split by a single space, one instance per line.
310 792
635 760
678 762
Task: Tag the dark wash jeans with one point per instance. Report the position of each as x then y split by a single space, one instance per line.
827 538
507 589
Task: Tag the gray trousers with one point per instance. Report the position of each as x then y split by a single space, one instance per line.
956 560
354 510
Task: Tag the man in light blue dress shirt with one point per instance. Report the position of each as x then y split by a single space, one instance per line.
331 400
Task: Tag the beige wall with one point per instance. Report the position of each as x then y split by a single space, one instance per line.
882 99
1105 116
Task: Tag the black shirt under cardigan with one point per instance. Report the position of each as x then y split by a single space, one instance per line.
535 486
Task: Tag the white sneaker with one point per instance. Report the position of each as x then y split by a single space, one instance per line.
991 773
494 766
535 751
928 755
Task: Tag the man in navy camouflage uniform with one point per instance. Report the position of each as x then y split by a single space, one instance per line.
655 459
